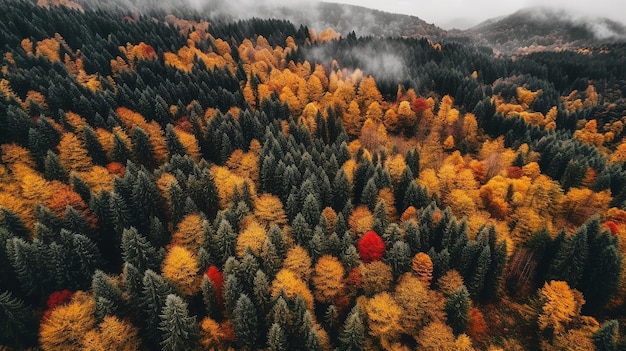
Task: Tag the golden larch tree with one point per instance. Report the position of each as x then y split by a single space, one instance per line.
421 306
180 267
376 277
269 210
422 267
292 286
298 262
384 316
327 279
360 221
251 237
112 334
66 326
190 232
73 154
559 305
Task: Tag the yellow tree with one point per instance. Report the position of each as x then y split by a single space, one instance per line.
420 305
422 267
578 204
180 267
292 286
298 262
66 326
559 306
368 92
436 337
406 117
395 166
450 282
360 221
353 120
374 112
376 277
112 334
391 121
269 210
73 154
251 237
190 232
314 89
327 279
384 317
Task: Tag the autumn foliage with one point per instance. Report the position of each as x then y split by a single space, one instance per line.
371 247
173 183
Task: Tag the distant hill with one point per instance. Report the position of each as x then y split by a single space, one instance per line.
542 28
341 17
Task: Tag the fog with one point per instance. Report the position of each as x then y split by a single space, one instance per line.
462 14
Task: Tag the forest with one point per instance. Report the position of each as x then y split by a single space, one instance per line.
175 182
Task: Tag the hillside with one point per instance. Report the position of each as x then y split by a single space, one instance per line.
172 179
543 28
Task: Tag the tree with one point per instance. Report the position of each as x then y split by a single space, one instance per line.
245 322
457 309
384 316
422 267
605 339
352 337
371 247
180 267
154 293
436 336
16 325
73 154
299 262
420 306
251 238
104 288
112 334
559 305
269 209
376 277
570 259
287 283
138 251
67 324
190 232
327 279
180 331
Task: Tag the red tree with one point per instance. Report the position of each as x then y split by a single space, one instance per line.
371 247
217 278
55 299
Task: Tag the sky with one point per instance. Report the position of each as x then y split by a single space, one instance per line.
461 14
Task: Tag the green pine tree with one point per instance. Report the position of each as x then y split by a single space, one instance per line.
103 287
245 322
352 337
276 338
570 260
605 339
457 309
154 293
179 330
53 169
138 251
17 325
143 150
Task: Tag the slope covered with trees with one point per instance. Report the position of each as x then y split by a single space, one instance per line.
173 183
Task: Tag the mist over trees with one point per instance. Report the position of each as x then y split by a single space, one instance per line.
170 182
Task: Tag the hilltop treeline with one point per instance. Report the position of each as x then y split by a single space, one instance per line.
169 182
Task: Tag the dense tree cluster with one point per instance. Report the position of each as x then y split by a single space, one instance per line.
170 183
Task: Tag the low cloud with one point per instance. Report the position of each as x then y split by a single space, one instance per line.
378 59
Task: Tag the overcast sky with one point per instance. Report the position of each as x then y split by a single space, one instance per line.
461 13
